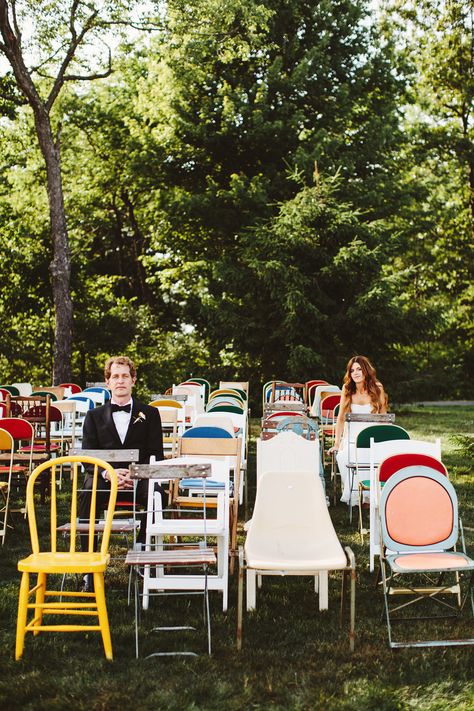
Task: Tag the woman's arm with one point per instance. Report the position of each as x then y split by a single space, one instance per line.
343 408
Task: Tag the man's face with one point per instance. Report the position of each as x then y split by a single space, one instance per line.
120 383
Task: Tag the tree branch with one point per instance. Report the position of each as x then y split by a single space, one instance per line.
75 42
11 47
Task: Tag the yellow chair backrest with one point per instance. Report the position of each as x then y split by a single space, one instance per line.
54 467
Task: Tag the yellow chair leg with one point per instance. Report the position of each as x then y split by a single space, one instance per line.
22 615
41 583
102 612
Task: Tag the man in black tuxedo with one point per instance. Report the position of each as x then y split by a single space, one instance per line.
122 423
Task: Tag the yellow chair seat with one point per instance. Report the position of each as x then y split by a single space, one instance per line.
64 562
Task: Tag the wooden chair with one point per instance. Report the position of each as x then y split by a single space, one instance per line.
47 558
229 450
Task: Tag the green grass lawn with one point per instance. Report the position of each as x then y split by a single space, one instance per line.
293 656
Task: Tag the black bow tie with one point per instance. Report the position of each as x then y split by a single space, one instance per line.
121 408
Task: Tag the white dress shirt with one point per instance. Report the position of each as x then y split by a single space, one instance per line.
122 420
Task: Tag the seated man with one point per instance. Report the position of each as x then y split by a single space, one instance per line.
122 423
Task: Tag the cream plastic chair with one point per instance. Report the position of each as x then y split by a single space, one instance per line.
291 533
287 452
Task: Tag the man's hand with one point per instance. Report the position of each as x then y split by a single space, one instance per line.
124 481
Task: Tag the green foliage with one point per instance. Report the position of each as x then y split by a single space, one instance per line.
192 248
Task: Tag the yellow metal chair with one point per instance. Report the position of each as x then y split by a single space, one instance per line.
46 560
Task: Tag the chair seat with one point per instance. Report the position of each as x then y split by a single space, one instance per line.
40 448
64 562
176 556
427 562
23 457
16 468
301 554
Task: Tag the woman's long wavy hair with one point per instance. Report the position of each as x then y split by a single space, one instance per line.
371 384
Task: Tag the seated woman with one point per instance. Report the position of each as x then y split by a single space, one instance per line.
362 393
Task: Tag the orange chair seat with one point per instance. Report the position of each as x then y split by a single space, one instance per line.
64 562
430 561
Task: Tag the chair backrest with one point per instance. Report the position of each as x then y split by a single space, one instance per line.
208 431
321 391
55 392
211 419
287 452
286 500
23 388
392 464
311 386
419 511
224 402
290 520
97 395
83 403
55 414
235 392
105 392
53 468
380 433
226 408
223 448
163 402
19 428
12 389
205 383
7 443
236 385
227 398
281 414
72 387
302 426
67 408
328 406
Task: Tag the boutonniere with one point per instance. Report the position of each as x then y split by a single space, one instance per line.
140 418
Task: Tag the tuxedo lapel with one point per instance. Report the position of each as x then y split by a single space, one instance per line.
130 436
109 423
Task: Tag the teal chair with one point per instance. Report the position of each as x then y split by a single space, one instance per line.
378 433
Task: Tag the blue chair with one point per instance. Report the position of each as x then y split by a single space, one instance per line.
208 433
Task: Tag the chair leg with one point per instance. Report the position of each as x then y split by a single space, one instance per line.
40 592
22 615
251 590
102 614
323 590
240 600
361 527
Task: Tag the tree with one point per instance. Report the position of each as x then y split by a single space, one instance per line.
61 55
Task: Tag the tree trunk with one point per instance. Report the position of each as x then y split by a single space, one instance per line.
60 267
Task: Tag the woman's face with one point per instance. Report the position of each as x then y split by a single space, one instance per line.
357 374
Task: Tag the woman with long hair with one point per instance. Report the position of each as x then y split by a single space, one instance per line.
362 393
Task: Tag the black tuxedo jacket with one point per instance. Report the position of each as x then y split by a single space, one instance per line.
144 432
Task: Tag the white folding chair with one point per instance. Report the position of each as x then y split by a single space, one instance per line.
161 561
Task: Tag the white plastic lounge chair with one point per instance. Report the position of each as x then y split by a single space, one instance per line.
291 533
